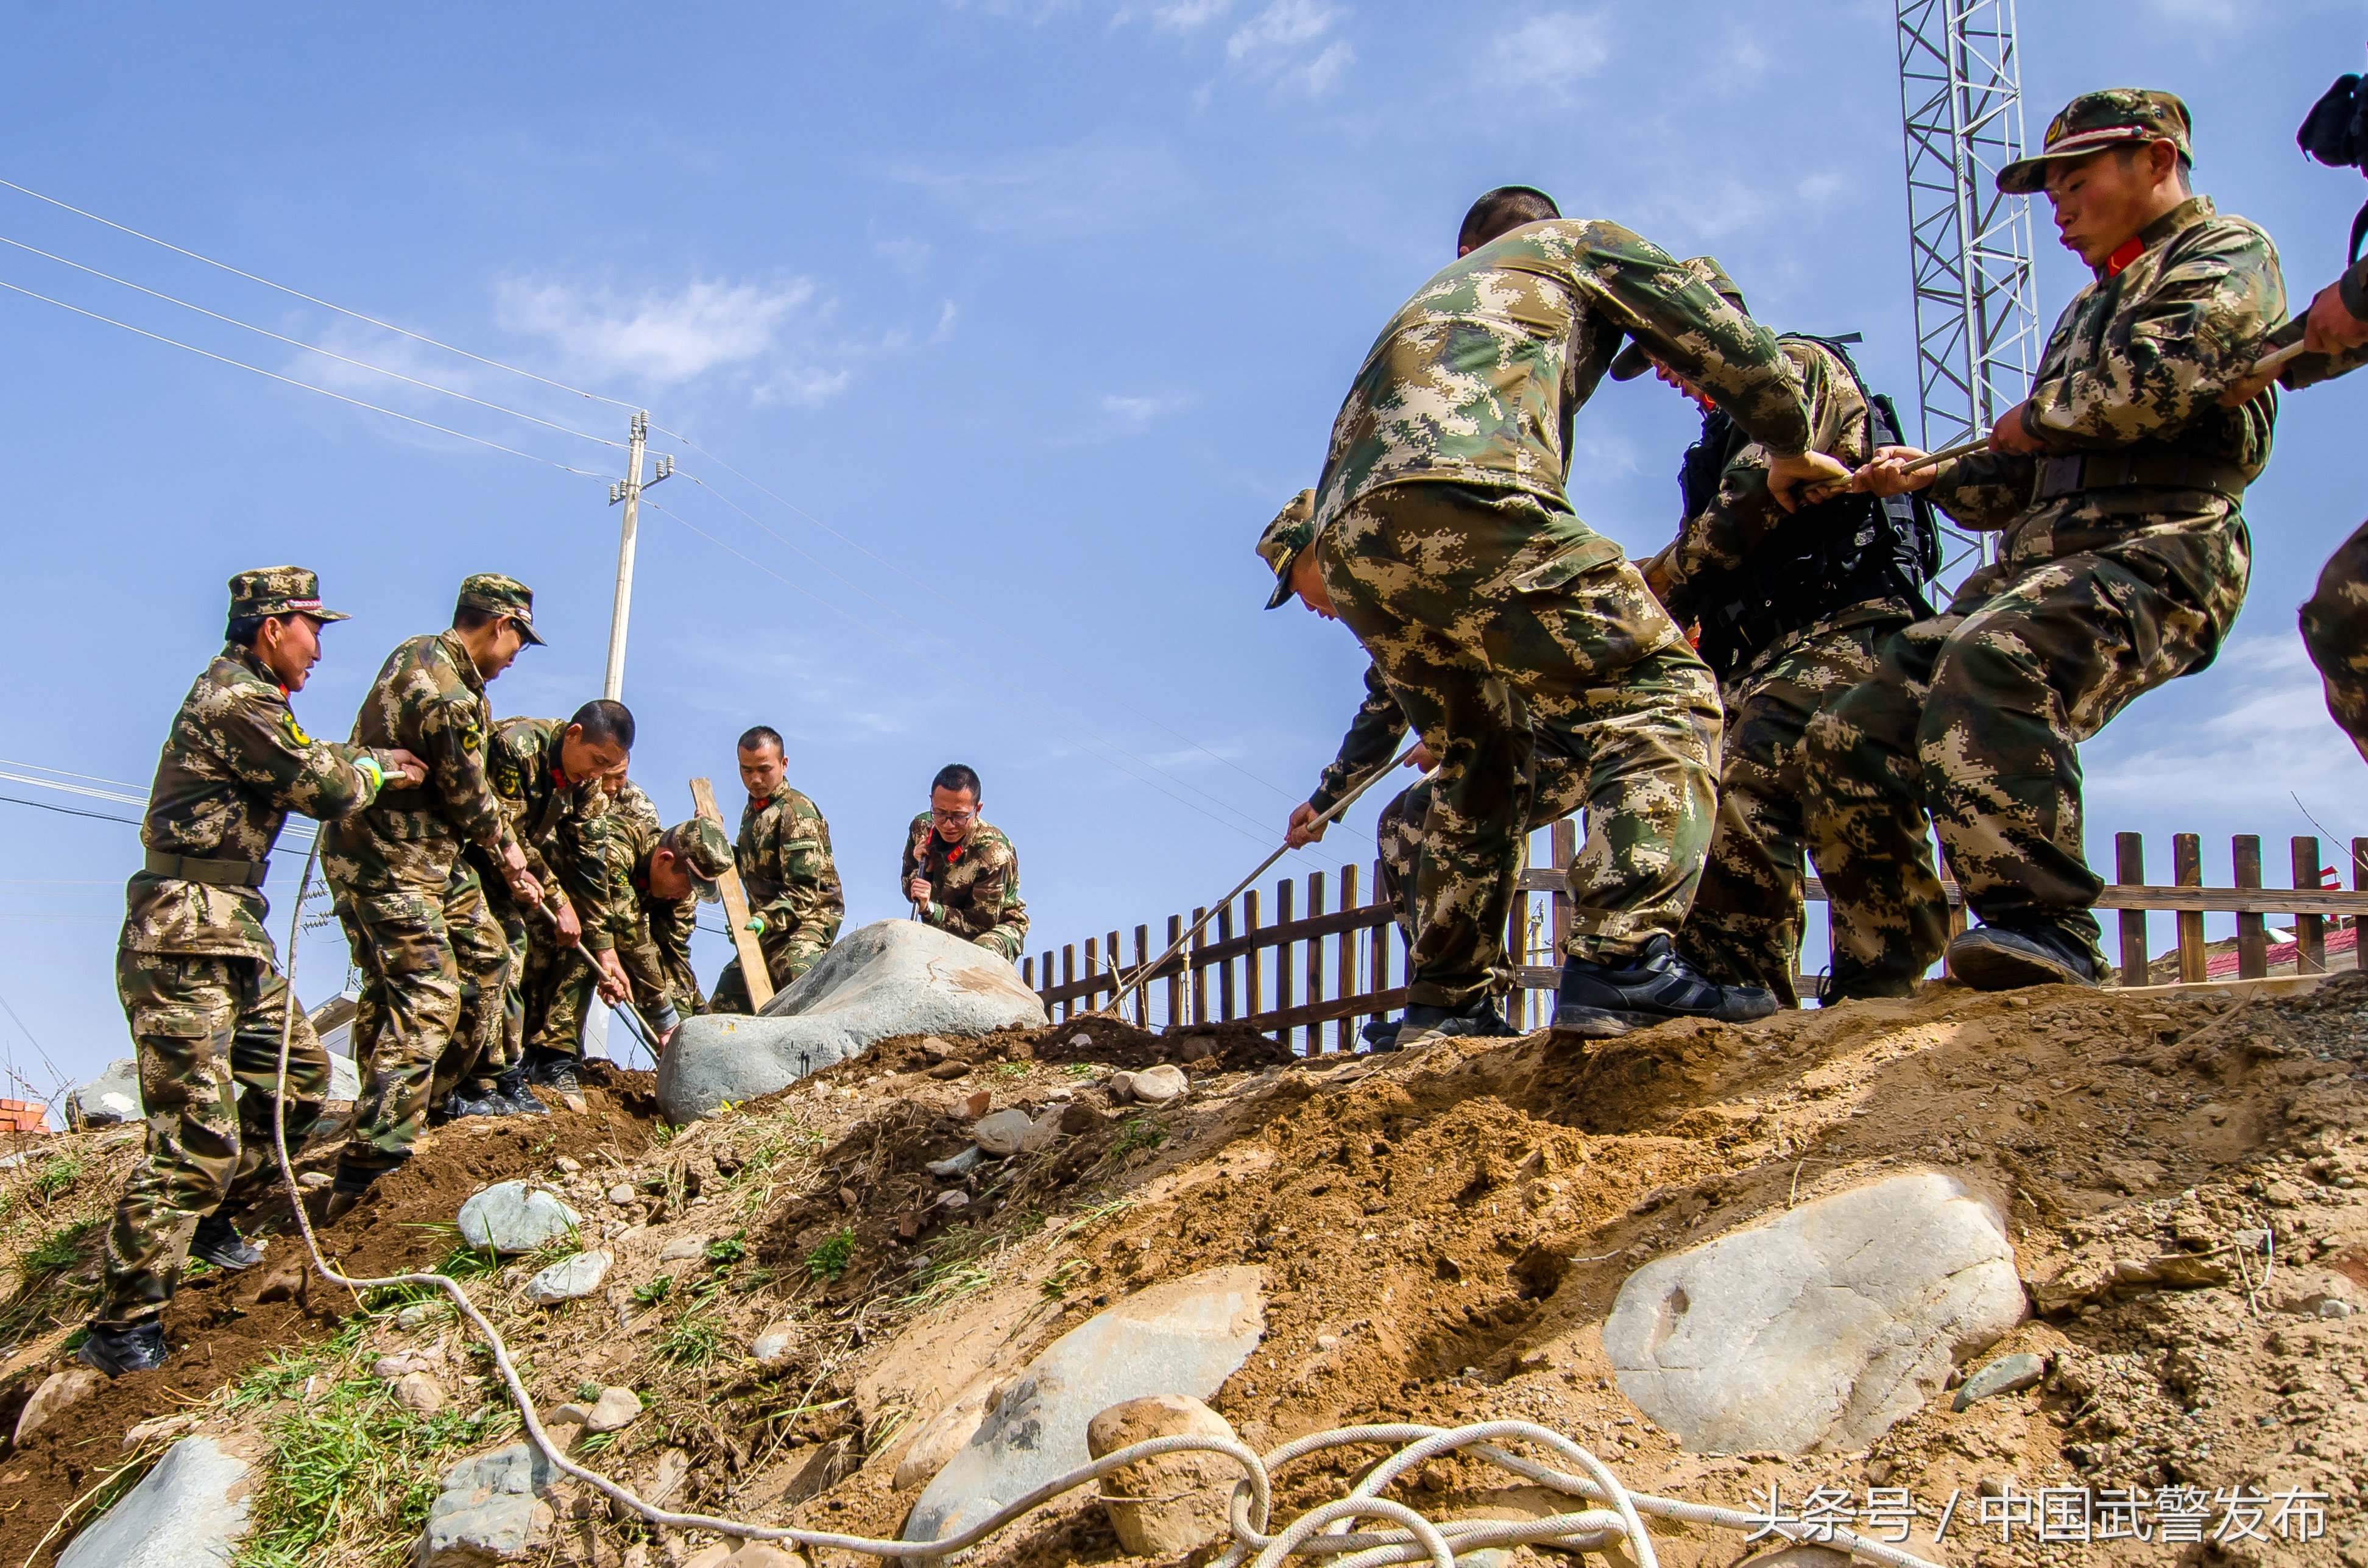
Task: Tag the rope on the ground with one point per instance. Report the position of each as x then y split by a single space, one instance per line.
1419 1539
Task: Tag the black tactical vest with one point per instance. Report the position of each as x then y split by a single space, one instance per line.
1818 560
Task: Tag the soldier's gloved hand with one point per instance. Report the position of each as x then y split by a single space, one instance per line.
1304 829
413 771
1787 477
755 926
570 926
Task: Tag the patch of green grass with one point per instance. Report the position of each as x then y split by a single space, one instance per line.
725 1251
1079 1068
656 1291
755 1279
1012 1070
694 1339
941 1284
661 1134
56 1177
1146 1132
829 1260
1058 1283
58 1249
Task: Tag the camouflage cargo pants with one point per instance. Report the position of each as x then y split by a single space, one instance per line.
788 954
1007 941
435 964
202 1026
495 1040
559 1000
2335 629
1490 611
1745 928
1558 790
1974 718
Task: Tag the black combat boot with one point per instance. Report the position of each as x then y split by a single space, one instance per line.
1381 1034
346 1188
1597 1001
511 1090
2007 957
551 1069
219 1242
115 1351
466 1101
1423 1024
1849 981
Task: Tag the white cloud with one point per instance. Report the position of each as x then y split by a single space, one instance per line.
1553 50
1129 414
1177 16
667 339
1095 186
1280 45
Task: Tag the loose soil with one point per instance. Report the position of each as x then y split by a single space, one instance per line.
1441 1236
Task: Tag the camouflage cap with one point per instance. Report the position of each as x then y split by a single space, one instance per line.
1293 530
1632 361
278 590
2114 117
700 849
493 592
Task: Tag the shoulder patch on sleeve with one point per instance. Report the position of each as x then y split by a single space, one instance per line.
293 729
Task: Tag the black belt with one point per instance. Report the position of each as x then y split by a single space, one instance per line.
2144 470
215 873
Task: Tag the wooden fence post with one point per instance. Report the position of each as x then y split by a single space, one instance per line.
1028 972
2310 930
1225 966
1199 964
2252 928
2129 869
1176 981
1282 902
1253 976
1117 966
1314 962
1143 986
2187 871
1069 976
1382 934
1564 837
1342 1030
1093 974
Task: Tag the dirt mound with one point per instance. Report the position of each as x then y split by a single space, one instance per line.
1441 1236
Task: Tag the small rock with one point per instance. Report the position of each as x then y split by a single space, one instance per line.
620 1194
564 1426
1081 1040
1001 1133
419 1392
2280 1193
616 1409
934 1050
284 1286
1327 1342
568 1164
683 1247
1195 1048
1079 1116
59 1391
1160 1085
394 1369
510 1217
953 1197
489 1509
160 1429
1164 1506
2332 1309
674 1467
575 1103
569 1277
419 1314
772 1348
1120 1086
975 1106
947 1071
1040 1133
2008 1374
953 1165
312 1179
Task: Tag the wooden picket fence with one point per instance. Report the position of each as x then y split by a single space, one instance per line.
1311 976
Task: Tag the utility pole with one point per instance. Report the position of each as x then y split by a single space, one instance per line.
628 489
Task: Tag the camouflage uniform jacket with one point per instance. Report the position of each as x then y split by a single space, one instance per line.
235 763
1741 513
1372 741
2136 365
651 935
974 886
784 860
549 816
1477 379
430 700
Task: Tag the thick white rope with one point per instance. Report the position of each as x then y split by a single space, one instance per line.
1421 1540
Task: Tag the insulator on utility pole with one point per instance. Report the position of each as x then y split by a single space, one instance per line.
628 489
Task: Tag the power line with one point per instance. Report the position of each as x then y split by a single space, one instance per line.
290 381
38 1049
309 299
93 778
982 620
120 800
69 811
313 349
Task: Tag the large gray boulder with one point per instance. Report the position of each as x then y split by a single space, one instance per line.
1820 1328
112 1096
894 977
188 1512
1185 1337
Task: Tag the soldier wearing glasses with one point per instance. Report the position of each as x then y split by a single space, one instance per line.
961 872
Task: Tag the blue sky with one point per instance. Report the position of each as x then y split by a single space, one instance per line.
1031 315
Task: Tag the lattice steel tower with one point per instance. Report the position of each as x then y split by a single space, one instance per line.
1977 338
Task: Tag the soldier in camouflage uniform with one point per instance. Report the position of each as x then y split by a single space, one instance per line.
660 879
960 872
795 902
1442 535
196 969
562 981
1558 790
550 775
430 952
1789 608
2123 558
